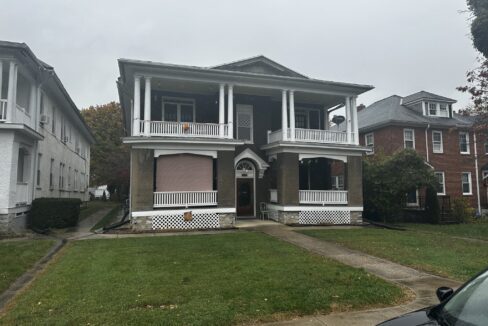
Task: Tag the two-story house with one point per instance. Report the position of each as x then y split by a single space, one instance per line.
212 144
427 123
45 142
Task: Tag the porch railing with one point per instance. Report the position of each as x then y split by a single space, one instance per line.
3 110
22 116
323 197
185 198
22 194
312 136
185 129
273 195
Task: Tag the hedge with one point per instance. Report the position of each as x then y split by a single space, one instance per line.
54 213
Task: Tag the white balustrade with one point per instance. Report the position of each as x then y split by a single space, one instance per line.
274 136
3 110
312 136
185 129
323 197
22 194
185 198
273 195
23 116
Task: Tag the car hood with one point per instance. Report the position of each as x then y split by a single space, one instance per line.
417 318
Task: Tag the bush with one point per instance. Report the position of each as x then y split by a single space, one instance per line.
461 210
54 213
432 209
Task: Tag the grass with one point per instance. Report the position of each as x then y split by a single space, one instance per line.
107 219
475 230
434 253
17 256
193 280
93 206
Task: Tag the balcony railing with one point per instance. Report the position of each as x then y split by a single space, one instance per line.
273 195
185 129
323 197
3 110
22 194
312 136
185 198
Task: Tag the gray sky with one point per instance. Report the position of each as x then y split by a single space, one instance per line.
399 46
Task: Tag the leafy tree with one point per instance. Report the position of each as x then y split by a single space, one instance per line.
479 25
387 179
110 158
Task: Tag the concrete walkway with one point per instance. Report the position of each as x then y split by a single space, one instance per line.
422 284
84 226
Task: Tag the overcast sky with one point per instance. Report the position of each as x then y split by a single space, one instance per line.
399 46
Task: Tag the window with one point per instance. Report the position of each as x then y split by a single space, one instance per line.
442 184
41 108
443 112
437 146
466 183
244 123
413 198
61 176
432 108
369 141
21 165
337 182
53 125
463 142
69 177
38 178
64 138
409 138
178 109
51 175
307 119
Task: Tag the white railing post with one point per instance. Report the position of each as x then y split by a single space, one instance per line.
185 198
137 106
323 197
147 107
284 115
221 110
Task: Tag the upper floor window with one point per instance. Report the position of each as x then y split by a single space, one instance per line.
409 138
337 182
437 146
464 142
466 183
38 176
437 109
244 123
53 124
432 108
369 141
307 119
441 181
178 109
443 111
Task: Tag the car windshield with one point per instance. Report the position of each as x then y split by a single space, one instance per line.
468 307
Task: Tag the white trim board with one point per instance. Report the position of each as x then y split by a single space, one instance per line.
251 155
160 152
314 208
181 211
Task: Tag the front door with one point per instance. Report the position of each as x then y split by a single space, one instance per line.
245 197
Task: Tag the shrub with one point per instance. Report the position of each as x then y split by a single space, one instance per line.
432 209
461 210
55 213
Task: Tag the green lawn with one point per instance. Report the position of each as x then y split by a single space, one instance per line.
475 230
93 206
193 280
439 254
17 256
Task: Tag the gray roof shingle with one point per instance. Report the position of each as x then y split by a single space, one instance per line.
426 96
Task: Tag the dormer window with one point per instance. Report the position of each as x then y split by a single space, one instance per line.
437 109
432 109
444 112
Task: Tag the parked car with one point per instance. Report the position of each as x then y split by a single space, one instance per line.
465 307
99 191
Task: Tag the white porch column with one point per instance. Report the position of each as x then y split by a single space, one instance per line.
137 106
32 106
147 106
11 92
1 78
284 115
230 112
221 110
348 119
355 122
326 119
292 115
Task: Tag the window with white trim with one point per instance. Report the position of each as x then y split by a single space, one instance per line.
466 183
443 111
437 146
432 108
369 141
412 198
463 142
178 109
409 138
442 184
307 118
244 123
38 175
337 182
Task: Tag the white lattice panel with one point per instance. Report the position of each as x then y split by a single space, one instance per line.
176 221
324 217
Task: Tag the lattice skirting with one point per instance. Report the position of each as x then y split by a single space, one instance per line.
176 221
324 217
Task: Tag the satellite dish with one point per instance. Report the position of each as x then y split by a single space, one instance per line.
338 119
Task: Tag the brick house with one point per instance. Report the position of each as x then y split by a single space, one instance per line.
427 123
209 145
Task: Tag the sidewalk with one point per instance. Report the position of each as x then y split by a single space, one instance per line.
423 284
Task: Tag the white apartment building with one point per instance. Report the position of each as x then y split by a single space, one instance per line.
45 142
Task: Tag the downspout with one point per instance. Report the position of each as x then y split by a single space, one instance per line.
478 213
427 142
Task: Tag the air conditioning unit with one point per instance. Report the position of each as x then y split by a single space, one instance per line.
44 119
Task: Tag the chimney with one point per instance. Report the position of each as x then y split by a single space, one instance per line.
361 107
